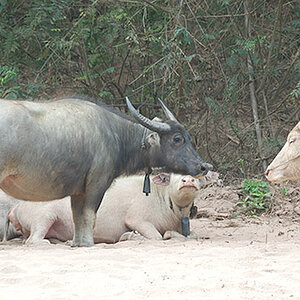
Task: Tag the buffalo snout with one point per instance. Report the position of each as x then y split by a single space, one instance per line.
202 170
205 167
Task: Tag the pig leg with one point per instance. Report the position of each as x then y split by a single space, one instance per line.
145 228
39 229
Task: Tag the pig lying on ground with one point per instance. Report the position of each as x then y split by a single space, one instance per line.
124 208
286 165
6 204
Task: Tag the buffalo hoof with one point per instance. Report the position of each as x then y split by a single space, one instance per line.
74 244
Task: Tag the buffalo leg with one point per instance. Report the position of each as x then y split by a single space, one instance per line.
84 220
84 216
85 206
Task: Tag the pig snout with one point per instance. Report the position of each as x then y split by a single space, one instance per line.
188 182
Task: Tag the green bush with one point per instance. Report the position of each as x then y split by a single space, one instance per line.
256 197
9 87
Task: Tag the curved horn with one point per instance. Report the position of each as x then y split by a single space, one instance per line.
167 111
152 125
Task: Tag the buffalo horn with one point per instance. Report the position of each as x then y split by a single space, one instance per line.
150 124
167 111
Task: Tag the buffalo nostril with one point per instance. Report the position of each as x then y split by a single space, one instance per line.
208 166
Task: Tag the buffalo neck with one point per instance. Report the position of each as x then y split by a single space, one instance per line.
134 154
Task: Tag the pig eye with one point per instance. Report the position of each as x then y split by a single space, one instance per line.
292 140
178 139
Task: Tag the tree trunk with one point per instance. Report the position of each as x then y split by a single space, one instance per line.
252 88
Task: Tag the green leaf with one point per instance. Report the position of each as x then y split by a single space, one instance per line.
109 70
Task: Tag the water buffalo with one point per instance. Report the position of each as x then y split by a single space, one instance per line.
76 147
124 208
286 165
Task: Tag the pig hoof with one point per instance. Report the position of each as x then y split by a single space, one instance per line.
193 236
172 234
125 236
132 236
40 242
168 235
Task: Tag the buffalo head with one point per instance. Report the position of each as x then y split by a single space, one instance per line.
172 147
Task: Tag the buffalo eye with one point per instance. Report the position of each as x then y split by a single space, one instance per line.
178 139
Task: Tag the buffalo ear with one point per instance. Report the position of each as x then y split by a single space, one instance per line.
153 139
161 179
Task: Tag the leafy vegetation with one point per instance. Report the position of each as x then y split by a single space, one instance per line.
256 197
284 191
196 55
8 85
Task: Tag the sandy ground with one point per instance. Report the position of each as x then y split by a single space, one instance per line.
233 258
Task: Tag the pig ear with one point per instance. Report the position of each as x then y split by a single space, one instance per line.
153 139
162 179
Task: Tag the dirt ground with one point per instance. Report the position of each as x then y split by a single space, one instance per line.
233 258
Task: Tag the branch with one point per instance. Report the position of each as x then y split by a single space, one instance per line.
286 122
209 45
159 7
285 76
263 81
252 88
122 67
